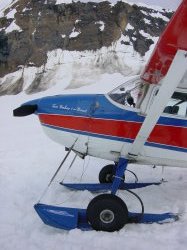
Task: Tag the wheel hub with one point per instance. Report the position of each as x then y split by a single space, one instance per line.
106 216
109 177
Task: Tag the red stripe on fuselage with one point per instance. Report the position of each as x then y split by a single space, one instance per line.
99 126
169 135
162 134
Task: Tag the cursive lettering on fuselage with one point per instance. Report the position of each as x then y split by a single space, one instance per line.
67 108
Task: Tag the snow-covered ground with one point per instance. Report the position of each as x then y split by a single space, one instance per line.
28 159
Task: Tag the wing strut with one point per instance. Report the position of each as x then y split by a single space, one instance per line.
168 86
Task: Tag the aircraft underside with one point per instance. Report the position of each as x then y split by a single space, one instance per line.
92 145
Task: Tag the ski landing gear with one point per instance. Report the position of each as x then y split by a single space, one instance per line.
106 212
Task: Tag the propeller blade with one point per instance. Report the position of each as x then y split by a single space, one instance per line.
25 110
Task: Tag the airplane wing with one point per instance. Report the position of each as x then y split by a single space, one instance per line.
167 67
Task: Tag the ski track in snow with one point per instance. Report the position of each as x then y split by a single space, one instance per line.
28 159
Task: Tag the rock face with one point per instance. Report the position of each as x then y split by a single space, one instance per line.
40 26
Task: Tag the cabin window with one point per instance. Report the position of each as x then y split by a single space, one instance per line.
130 95
177 105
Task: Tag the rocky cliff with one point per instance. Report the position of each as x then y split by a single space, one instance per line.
30 29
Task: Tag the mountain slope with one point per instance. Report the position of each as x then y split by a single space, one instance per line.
40 37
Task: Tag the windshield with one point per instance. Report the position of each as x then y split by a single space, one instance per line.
130 93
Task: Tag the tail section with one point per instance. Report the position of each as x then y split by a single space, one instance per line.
173 38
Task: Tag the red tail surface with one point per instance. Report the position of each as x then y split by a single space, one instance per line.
173 38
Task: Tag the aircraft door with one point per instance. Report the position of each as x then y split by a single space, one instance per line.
102 128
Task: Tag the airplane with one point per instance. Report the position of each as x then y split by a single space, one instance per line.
143 121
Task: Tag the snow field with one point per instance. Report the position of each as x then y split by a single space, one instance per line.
28 159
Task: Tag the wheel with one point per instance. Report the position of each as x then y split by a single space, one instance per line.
107 212
106 174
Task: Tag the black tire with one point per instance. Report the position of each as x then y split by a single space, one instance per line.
106 175
107 212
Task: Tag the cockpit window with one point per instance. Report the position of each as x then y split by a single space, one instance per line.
177 105
130 94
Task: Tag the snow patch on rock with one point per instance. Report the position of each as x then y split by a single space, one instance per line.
102 25
13 26
74 33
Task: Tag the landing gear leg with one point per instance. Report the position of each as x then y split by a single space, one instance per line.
121 167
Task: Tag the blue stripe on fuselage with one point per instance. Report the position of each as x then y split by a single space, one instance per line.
85 106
